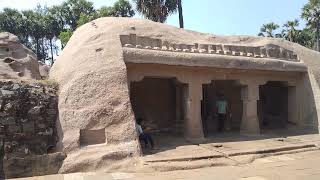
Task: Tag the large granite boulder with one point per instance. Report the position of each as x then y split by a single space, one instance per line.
96 120
16 60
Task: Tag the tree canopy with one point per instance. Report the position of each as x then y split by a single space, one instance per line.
308 36
47 29
157 10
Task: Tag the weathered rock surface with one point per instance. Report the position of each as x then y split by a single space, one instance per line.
16 60
94 96
44 70
28 113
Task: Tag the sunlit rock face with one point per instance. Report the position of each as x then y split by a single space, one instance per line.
16 60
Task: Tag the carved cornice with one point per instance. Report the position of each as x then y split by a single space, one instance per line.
268 51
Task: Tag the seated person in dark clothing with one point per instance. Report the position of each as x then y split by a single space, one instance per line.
145 137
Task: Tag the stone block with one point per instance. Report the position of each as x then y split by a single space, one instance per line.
133 39
7 92
203 51
41 125
144 41
52 111
184 46
7 120
194 50
155 43
33 165
13 128
15 87
219 49
128 45
139 46
171 48
28 127
164 48
35 111
294 57
186 50
125 39
203 48
177 47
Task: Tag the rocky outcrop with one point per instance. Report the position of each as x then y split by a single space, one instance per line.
94 89
16 60
28 113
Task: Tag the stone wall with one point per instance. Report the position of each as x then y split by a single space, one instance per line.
28 113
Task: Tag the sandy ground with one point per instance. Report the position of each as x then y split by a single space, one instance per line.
283 167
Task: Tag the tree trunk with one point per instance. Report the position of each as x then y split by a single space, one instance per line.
317 35
51 51
43 52
37 46
180 14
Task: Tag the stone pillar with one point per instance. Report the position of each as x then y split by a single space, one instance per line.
193 121
293 103
250 96
179 107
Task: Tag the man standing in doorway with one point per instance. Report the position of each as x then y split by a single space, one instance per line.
221 109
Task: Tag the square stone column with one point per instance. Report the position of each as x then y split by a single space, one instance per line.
193 121
250 96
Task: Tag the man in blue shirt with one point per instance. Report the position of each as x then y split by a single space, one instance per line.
221 110
145 137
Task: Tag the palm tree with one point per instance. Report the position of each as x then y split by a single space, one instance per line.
311 13
290 30
267 30
159 10
180 14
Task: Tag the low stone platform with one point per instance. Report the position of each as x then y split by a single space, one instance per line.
230 145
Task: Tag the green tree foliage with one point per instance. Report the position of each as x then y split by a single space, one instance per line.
268 30
64 37
12 20
122 8
157 10
308 36
305 37
40 29
73 9
290 30
311 13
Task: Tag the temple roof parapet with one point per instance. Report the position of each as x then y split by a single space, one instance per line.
268 51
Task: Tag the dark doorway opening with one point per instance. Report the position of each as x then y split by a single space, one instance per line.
273 105
232 93
160 102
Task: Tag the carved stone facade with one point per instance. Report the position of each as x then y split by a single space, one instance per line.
268 51
250 67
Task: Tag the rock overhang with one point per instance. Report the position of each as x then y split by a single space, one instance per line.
143 49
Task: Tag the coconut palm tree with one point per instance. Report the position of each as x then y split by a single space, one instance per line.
311 13
267 30
180 14
159 10
290 31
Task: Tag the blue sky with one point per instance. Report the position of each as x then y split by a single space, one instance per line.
224 17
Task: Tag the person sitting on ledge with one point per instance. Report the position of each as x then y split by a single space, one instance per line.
145 137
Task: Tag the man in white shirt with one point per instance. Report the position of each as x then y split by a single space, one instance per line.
145 137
